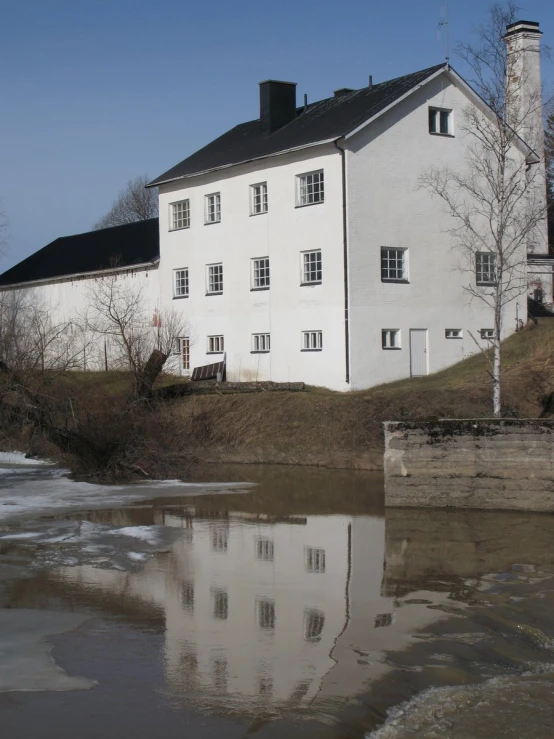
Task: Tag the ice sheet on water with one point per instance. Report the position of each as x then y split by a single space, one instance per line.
70 542
18 458
26 660
36 490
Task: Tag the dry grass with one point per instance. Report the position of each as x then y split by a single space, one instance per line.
317 427
345 429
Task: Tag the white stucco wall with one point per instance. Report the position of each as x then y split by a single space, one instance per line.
287 308
386 207
69 300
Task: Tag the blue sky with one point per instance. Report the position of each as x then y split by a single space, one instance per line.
95 92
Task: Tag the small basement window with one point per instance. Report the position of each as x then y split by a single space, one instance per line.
390 338
440 121
260 343
453 333
216 345
487 333
312 341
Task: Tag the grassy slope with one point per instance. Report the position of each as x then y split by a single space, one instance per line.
344 429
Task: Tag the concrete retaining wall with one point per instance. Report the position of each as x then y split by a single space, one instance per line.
484 463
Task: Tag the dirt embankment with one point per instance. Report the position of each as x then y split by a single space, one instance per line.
315 427
319 427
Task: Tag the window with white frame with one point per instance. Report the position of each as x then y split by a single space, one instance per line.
213 208
310 188
487 333
220 538
394 264
181 283
180 215
312 341
214 281
485 268
215 345
260 273
258 198
311 267
390 338
314 559
260 343
182 349
440 121
453 333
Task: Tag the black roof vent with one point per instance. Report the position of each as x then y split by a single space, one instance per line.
277 104
342 91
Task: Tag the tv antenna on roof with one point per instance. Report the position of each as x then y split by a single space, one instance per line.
446 24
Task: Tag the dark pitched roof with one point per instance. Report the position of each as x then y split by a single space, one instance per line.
327 119
134 243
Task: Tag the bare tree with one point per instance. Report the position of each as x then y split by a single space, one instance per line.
497 199
136 340
31 342
134 203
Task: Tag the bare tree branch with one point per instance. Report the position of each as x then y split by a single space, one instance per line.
134 203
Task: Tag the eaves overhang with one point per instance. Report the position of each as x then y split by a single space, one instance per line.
141 267
157 182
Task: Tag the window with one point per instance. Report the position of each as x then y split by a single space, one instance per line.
180 215
390 338
182 349
220 539
216 345
266 613
181 283
264 550
453 333
311 267
312 341
220 601
213 208
187 596
313 624
215 279
314 559
310 188
393 265
258 199
487 333
485 268
260 273
440 121
260 343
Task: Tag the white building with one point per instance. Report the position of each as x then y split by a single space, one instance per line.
300 246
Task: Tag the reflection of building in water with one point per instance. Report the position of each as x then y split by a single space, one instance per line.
256 607
261 613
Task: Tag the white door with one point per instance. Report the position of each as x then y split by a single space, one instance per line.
418 352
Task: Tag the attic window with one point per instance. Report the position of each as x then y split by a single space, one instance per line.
440 121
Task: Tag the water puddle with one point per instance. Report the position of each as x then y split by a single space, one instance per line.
292 608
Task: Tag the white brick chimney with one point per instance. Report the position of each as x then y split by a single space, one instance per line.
524 114
523 86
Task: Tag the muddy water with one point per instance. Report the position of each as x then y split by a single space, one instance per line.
292 608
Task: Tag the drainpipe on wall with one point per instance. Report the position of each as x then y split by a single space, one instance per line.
345 262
